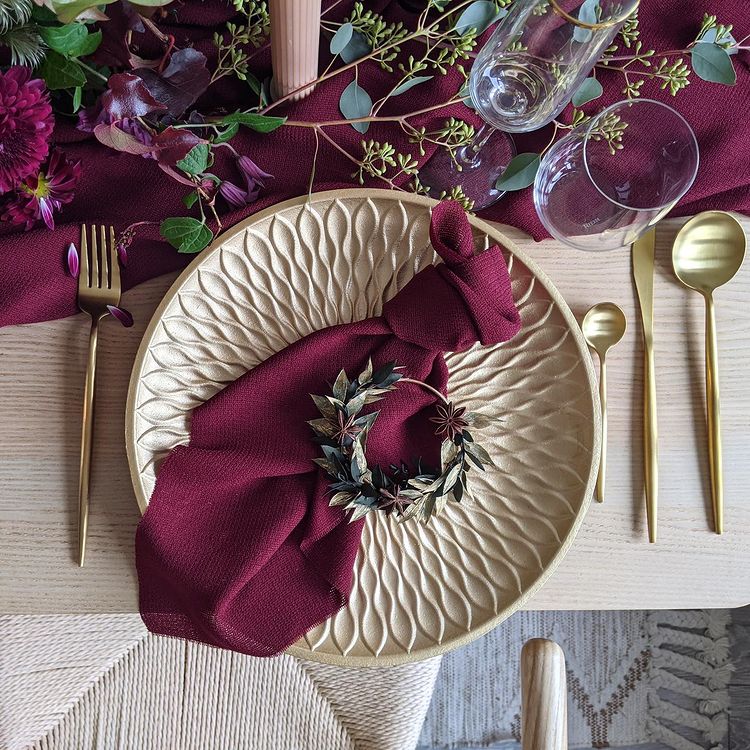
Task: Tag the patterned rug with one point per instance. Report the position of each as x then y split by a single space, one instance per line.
102 682
633 678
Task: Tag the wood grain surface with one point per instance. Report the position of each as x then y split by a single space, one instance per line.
544 696
610 566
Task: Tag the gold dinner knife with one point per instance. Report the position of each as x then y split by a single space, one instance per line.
643 272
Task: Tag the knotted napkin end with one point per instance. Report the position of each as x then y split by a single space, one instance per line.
450 233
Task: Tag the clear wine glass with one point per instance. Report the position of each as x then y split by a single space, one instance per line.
522 78
613 177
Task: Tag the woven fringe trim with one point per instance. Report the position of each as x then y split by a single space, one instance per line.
690 662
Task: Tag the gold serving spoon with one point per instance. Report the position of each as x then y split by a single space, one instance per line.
708 251
603 326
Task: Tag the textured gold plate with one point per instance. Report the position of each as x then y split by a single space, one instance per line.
306 264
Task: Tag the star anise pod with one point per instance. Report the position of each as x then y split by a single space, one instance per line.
449 420
346 428
391 499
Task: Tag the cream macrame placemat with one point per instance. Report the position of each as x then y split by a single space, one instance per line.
103 682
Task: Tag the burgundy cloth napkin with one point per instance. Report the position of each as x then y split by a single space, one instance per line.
120 189
239 547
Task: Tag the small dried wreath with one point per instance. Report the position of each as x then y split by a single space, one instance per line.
418 493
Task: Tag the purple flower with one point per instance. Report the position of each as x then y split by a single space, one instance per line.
233 195
74 267
25 125
43 193
121 314
252 173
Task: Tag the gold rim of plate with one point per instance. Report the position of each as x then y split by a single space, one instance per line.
588 481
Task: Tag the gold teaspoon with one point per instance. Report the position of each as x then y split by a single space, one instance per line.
708 251
603 326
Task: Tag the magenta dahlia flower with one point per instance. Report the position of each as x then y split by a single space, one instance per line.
43 193
25 125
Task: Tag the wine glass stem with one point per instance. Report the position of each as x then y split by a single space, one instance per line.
470 152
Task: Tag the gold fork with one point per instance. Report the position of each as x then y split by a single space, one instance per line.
98 286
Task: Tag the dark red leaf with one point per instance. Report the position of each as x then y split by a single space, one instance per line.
113 50
173 144
119 140
182 82
128 96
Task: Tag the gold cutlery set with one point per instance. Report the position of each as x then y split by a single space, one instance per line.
707 252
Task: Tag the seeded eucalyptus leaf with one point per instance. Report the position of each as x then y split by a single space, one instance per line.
410 84
589 90
712 63
355 102
341 38
478 16
520 173
588 13
357 47
727 40
187 234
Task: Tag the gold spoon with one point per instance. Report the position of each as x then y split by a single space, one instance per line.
707 252
603 326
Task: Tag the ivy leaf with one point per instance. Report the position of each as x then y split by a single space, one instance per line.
712 63
355 102
409 84
60 73
520 173
589 90
227 134
341 38
478 16
358 47
68 10
196 160
72 40
190 199
588 13
254 121
186 234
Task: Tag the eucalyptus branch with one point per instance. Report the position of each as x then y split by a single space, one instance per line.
419 32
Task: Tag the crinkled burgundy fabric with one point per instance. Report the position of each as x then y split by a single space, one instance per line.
239 547
121 189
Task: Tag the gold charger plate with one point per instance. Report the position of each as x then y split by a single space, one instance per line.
334 258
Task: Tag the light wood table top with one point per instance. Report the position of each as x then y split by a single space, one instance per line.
610 565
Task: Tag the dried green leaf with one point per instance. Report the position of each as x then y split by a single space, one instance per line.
325 407
341 386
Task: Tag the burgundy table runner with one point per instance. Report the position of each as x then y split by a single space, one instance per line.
121 189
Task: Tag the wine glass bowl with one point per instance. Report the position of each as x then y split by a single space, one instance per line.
613 177
538 57
522 78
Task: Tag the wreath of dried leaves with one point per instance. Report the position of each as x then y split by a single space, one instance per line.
342 432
